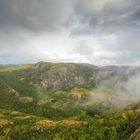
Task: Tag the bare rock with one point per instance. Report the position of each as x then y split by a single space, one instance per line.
13 92
26 100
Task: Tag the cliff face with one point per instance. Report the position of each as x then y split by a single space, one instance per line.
59 75
61 80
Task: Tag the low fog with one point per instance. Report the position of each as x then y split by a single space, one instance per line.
117 93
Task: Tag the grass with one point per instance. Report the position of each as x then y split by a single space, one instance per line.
30 112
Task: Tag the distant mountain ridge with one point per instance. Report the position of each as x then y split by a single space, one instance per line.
68 75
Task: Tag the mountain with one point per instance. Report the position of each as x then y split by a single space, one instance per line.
28 87
60 75
7 67
65 100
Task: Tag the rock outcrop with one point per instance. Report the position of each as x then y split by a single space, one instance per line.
25 100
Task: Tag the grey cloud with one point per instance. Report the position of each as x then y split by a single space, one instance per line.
105 16
84 20
89 16
124 41
34 15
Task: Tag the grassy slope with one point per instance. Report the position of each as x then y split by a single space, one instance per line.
57 105
16 125
25 81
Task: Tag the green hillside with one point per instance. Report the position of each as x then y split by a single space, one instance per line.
58 101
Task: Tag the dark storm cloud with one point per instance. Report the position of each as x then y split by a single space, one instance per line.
34 15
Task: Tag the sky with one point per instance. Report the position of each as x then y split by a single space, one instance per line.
100 32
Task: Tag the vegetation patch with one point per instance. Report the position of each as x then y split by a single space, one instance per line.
4 123
42 125
71 123
1 115
16 113
23 117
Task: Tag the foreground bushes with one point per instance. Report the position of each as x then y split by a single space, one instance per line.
99 127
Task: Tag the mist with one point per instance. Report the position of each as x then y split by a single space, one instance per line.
116 93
